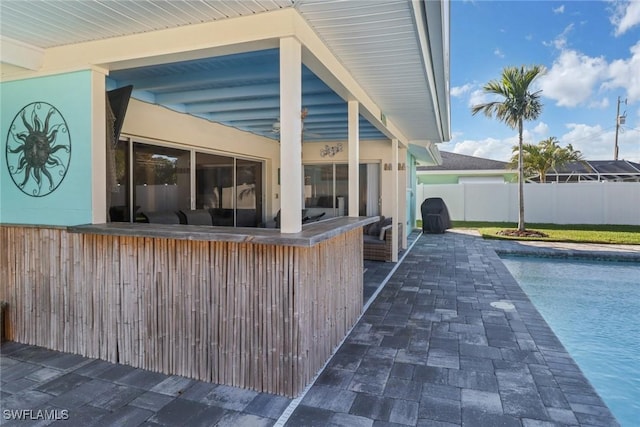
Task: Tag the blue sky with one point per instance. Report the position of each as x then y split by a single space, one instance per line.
591 54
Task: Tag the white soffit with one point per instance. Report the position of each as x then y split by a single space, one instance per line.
50 23
426 155
377 42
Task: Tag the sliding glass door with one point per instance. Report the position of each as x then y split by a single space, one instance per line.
161 177
230 188
214 187
326 188
248 193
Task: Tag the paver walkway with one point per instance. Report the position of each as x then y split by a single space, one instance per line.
431 350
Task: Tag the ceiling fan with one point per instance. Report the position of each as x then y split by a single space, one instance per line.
275 127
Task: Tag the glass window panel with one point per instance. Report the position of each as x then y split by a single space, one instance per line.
342 190
327 187
318 188
161 178
213 175
230 188
214 187
248 193
118 183
369 189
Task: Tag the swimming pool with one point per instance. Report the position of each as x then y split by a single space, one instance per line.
594 308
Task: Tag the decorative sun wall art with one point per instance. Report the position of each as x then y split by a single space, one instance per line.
38 149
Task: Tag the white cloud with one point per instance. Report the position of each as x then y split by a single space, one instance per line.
597 143
488 148
498 53
456 134
559 9
457 91
541 129
626 15
625 73
572 77
478 96
560 42
601 104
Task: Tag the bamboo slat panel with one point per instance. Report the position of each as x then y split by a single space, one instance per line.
263 317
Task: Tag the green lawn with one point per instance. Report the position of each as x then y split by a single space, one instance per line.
582 233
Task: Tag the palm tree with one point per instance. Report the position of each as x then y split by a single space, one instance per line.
546 155
564 156
517 104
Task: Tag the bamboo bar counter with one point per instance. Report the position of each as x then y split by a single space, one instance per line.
245 307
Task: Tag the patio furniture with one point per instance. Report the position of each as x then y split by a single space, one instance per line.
308 215
435 216
378 240
222 217
161 217
246 218
195 217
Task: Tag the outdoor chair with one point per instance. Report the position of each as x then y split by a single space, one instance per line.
195 217
305 217
161 217
377 239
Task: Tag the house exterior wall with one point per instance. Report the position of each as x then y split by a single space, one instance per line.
70 203
76 97
454 178
571 203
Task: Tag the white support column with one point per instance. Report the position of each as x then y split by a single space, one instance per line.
354 158
394 198
290 135
404 192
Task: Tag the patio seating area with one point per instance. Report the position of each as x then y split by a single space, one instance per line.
430 349
378 240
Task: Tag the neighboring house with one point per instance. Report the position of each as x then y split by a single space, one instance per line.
239 111
463 169
594 170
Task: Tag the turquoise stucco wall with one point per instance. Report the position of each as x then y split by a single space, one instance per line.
70 202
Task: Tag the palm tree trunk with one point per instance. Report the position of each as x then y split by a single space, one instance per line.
520 180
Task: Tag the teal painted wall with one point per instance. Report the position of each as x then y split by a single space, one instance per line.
70 202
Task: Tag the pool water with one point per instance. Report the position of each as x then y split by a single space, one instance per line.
594 308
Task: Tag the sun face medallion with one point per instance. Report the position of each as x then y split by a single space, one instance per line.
38 149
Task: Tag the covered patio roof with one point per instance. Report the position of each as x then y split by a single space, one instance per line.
219 60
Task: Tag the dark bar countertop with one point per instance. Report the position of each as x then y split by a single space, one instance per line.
311 234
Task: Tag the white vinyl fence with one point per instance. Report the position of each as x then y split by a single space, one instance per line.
569 203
